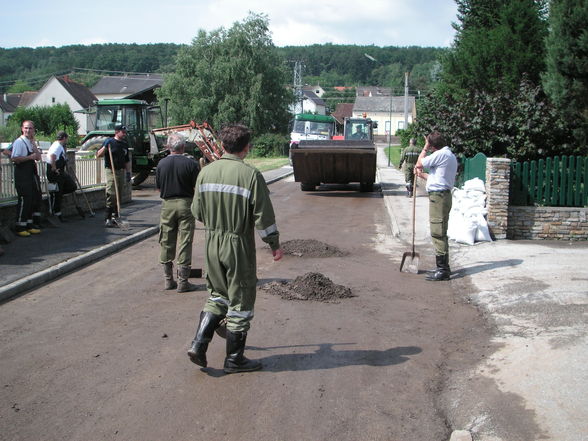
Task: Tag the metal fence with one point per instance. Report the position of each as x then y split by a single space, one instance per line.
89 171
553 182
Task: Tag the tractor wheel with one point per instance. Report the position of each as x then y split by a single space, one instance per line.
139 177
304 186
93 144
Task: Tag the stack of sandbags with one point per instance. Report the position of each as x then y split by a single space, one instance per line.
467 222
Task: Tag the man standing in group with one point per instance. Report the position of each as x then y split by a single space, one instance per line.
175 178
56 174
409 158
26 180
442 166
120 170
231 200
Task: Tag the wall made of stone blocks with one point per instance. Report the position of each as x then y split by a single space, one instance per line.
555 223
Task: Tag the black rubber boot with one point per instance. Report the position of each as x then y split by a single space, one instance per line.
443 271
208 323
236 361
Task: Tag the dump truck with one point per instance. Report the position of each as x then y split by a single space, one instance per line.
350 157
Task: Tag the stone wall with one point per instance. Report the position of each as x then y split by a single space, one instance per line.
516 222
562 223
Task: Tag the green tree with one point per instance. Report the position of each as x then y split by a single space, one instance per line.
233 75
20 86
566 77
497 42
48 120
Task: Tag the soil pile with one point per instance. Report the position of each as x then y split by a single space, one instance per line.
311 286
310 248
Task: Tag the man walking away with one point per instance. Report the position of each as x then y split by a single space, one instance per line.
442 166
409 158
175 178
231 200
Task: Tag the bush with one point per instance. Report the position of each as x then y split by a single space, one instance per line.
48 120
269 145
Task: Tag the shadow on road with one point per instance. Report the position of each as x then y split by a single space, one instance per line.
484 266
327 358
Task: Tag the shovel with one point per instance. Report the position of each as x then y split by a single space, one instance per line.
122 224
410 259
92 214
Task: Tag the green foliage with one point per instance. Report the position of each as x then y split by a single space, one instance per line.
48 121
498 42
19 87
229 76
522 126
566 79
269 145
410 132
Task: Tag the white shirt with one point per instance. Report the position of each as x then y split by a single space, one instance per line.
442 166
55 149
19 147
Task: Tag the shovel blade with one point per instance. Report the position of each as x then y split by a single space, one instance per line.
123 225
410 262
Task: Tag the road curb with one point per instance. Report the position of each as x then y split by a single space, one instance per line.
278 178
69 265
389 206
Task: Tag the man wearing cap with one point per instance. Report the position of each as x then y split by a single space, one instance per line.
442 166
24 155
56 174
120 170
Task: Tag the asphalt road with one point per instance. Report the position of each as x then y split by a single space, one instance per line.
100 353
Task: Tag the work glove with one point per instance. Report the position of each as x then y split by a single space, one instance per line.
128 176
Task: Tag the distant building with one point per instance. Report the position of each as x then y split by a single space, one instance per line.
317 90
9 102
140 87
310 103
388 111
63 90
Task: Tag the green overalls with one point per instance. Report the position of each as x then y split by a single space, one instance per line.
231 200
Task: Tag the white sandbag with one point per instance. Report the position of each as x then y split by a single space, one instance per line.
482 232
474 184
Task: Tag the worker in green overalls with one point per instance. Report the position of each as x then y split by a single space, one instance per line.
231 200
408 158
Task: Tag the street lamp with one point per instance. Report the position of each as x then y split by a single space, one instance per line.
369 57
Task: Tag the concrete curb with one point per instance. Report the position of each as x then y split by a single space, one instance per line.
280 177
69 265
389 207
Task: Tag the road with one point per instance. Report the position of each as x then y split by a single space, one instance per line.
101 353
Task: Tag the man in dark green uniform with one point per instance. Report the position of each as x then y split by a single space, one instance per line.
231 200
175 178
409 159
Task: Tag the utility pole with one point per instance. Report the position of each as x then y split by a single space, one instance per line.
298 65
405 100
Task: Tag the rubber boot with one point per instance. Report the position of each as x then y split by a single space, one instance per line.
409 190
236 361
168 271
208 323
184 284
443 271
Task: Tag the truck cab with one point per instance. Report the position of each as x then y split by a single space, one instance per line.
307 126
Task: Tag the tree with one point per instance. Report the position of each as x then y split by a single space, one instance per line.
497 43
233 75
566 77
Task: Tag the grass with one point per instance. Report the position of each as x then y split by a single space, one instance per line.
393 153
265 164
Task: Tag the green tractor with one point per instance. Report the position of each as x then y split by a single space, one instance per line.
140 118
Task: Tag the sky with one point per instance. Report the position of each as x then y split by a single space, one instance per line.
37 23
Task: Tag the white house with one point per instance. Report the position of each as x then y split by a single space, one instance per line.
310 103
388 111
63 90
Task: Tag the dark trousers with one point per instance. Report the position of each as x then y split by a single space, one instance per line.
65 185
28 189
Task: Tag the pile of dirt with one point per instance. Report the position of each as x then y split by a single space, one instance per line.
311 286
310 248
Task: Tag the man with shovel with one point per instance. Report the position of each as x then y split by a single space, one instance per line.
175 177
442 166
232 200
120 170
56 174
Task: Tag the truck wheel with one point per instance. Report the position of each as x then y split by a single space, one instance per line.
307 187
139 177
366 187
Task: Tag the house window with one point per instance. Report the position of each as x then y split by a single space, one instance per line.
400 125
53 100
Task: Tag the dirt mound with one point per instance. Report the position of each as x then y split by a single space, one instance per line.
310 248
311 286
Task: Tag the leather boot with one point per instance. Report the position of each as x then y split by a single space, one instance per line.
183 284
208 323
236 361
168 271
443 271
